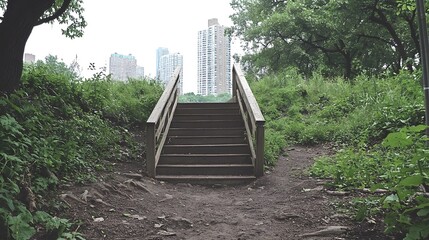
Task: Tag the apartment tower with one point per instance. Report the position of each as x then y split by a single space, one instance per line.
167 65
214 60
122 67
159 53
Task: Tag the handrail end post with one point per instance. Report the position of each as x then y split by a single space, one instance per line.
150 150
234 82
260 142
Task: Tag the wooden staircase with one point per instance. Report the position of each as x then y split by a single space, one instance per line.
206 142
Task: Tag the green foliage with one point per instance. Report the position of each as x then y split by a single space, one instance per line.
57 128
377 122
400 164
123 102
193 98
318 110
72 17
334 37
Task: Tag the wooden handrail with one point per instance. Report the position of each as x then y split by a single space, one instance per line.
159 121
253 119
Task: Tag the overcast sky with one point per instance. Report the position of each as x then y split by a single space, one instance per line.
136 27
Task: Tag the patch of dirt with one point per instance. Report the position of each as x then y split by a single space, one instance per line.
283 204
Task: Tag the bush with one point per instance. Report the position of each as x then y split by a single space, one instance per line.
318 110
58 128
400 165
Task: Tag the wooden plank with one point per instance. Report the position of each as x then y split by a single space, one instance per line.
249 98
164 137
260 137
166 113
150 149
249 133
160 105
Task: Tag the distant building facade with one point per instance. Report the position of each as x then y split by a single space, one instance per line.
29 58
214 60
159 53
122 67
139 72
167 65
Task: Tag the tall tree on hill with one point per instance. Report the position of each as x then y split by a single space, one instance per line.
337 37
16 24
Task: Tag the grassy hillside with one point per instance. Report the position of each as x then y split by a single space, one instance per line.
58 128
375 123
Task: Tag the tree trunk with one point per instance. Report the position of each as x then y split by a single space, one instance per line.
399 44
18 22
348 66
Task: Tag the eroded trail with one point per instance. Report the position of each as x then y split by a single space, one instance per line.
284 204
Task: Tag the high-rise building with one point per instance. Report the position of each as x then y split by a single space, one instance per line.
159 53
214 60
29 58
122 67
167 65
139 72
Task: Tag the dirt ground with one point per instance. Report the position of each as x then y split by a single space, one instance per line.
283 204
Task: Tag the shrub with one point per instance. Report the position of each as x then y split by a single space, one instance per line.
58 128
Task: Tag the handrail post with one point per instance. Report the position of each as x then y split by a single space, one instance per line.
260 136
234 84
150 149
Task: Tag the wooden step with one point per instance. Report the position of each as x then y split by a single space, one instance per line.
208 105
207 117
205 169
206 148
184 140
205 159
206 132
230 111
207 180
207 124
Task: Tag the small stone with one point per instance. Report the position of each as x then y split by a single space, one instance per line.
167 197
166 233
158 225
281 216
99 219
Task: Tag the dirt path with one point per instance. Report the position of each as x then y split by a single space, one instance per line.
284 204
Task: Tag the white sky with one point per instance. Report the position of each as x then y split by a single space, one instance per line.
136 27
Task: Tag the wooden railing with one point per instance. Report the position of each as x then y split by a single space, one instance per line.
252 116
159 121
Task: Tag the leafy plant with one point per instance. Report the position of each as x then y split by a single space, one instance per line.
57 128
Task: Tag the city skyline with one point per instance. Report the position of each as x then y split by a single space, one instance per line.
139 28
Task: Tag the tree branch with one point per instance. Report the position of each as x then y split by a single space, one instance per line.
323 49
413 29
376 38
56 14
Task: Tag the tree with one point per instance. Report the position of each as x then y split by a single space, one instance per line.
336 36
17 22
